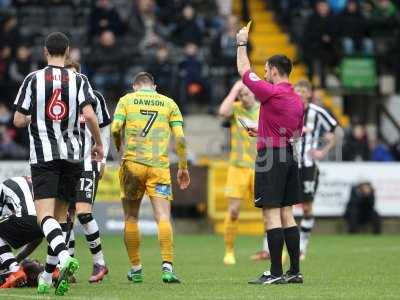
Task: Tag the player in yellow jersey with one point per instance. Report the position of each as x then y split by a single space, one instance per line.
240 181
142 126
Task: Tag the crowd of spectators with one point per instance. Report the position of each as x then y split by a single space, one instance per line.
185 44
327 30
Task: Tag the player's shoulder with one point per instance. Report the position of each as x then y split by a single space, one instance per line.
317 108
126 97
99 96
31 75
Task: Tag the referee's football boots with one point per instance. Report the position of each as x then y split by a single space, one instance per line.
293 278
267 278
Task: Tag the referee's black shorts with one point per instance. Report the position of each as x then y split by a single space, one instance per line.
277 181
19 231
56 179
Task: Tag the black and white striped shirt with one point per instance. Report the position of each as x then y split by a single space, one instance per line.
16 197
104 119
316 121
53 96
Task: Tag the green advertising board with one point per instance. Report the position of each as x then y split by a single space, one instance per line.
358 73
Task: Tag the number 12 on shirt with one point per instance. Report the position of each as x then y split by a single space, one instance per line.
153 116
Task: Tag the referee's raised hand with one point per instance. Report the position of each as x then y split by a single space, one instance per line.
242 36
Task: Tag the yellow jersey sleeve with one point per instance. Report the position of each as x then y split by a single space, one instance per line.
176 118
119 122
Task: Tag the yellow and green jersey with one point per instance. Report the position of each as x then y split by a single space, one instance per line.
146 118
243 146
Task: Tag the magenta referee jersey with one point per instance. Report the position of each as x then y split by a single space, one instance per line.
281 111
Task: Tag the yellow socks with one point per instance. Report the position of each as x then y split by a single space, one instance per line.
231 228
132 242
166 240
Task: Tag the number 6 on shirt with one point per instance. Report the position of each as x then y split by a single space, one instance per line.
56 109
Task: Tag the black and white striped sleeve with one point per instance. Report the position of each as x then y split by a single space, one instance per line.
85 93
328 122
103 116
23 100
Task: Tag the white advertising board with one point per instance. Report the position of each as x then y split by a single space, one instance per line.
336 180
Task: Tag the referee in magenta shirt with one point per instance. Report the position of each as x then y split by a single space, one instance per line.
277 183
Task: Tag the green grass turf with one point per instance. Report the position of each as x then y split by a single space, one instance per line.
337 267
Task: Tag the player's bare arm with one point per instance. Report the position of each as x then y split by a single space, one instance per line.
243 62
21 120
226 108
183 176
105 137
330 140
91 119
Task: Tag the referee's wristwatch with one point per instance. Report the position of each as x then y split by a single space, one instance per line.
243 44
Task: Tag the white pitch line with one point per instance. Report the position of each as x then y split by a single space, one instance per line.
8 295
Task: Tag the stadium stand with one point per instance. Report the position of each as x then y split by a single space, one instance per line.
190 45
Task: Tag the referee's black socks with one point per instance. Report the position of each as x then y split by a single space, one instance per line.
292 240
275 243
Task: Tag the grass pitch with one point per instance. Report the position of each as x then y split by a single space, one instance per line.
337 267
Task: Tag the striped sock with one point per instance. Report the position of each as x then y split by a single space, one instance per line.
71 243
51 264
230 232
165 238
306 226
54 235
7 257
132 242
92 234
51 258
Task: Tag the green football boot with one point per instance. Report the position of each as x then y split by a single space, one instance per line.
62 283
169 276
43 286
135 277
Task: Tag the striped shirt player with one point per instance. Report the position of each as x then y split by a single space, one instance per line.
317 122
54 97
91 169
18 224
92 172
318 127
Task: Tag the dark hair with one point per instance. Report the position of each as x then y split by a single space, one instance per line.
57 43
282 63
143 78
69 63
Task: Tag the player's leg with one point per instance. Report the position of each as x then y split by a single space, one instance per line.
158 187
84 207
235 191
309 180
50 270
45 180
9 262
306 226
132 182
162 212
230 230
71 237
